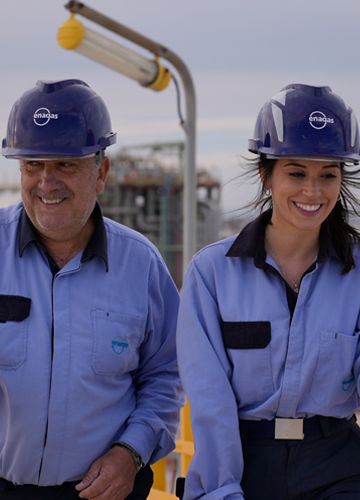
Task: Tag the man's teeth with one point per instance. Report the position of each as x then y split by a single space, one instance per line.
51 202
308 208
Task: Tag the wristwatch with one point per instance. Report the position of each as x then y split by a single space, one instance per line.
135 455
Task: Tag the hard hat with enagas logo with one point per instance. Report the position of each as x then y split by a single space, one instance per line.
62 118
302 120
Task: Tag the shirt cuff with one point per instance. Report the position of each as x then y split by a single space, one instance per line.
142 438
224 491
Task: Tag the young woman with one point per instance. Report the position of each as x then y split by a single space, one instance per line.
268 330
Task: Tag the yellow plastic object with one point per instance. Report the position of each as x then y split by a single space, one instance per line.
184 449
162 80
71 33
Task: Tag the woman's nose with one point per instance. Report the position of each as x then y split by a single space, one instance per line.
312 187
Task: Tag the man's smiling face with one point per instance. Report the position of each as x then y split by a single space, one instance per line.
59 195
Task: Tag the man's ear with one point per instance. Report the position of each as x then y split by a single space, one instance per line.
102 173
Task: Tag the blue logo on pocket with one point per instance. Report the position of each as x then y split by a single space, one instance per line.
346 383
118 344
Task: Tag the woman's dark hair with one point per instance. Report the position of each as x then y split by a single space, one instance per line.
342 234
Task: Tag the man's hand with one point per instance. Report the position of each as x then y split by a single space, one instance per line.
111 477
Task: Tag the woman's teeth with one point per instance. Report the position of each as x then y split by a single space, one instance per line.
308 208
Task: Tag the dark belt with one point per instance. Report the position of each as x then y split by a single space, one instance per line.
10 491
265 429
67 491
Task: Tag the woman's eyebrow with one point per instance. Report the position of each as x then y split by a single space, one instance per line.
295 164
332 165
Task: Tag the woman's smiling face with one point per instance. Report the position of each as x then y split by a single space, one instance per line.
304 192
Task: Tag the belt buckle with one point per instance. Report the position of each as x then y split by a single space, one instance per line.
289 428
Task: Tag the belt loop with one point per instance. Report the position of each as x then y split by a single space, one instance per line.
325 425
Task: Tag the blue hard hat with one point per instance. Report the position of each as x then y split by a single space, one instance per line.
65 118
302 120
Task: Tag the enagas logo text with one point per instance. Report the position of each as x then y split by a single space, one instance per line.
42 116
319 120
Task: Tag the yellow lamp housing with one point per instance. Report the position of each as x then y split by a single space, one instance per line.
162 80
72 35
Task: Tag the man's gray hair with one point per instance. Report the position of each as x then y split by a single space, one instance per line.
99 156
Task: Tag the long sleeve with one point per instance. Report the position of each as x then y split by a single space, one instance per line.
216 468
153 424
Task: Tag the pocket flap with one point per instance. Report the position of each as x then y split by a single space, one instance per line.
246 334
14 308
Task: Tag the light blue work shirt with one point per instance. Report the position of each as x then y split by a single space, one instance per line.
248 349
87 356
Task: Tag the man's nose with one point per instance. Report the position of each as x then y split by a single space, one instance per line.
48 175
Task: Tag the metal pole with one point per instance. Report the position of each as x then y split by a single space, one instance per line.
190 184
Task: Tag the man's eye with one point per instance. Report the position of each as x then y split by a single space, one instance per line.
32 165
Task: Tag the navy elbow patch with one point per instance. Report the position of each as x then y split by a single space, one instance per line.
14 308
246 334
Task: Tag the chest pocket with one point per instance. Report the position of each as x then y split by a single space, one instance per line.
116 342
333 382
248 348
14 310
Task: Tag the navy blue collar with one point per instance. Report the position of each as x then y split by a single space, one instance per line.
250 243
97 244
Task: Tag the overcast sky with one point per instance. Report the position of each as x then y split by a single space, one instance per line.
239 52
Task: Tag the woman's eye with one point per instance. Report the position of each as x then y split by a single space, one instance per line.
330 176
297 175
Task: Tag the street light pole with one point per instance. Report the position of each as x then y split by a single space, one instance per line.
189 125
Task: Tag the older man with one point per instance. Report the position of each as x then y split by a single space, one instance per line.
89 388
